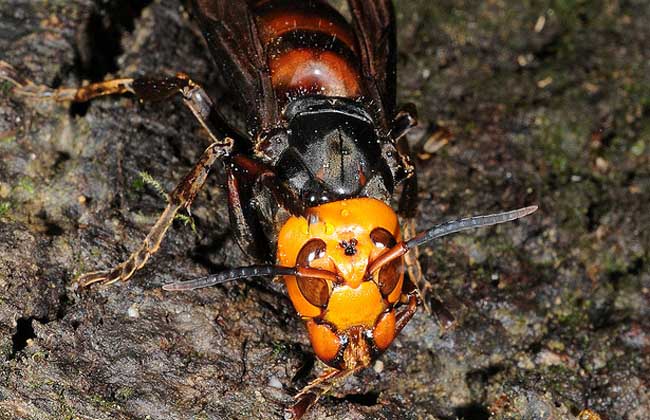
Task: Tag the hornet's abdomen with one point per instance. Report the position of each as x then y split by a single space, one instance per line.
311 50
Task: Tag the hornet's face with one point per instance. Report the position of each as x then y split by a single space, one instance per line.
350 315
344 270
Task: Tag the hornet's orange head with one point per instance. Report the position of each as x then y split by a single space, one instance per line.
349 312
343 266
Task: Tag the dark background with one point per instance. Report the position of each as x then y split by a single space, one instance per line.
533 102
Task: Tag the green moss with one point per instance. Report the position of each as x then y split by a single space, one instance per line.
5 87
562 144
146 179
187 221
26 185
614 264
638 148
573 313
5 206
39 356
64 411
124 393
279 348
34 385
561 381
101 402
138 185
96 399
96 252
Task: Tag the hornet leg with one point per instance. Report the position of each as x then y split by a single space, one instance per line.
201 106
311 393
432 304
145 89
404 315
181 197
408 201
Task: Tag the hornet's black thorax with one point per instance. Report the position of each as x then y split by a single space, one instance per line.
332 152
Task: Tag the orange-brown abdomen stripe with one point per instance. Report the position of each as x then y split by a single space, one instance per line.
311 50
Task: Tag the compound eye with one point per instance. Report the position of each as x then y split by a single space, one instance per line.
315 290
382 238
389 274
312 250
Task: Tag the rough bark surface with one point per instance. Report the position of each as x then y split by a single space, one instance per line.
543 102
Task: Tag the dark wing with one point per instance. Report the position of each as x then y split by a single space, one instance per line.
230 30
374 24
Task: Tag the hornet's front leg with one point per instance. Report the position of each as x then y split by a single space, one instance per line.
404 121
311 393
